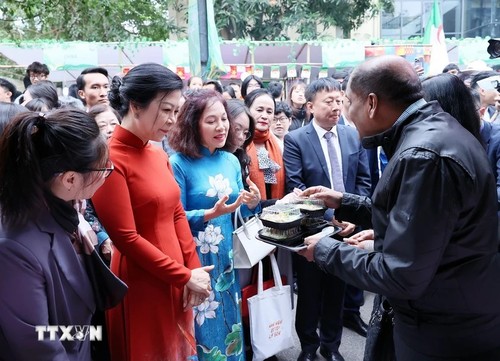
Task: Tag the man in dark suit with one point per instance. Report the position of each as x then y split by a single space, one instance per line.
323 153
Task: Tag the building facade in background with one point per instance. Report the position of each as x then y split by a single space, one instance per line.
461 18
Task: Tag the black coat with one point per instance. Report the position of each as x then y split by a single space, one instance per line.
434 214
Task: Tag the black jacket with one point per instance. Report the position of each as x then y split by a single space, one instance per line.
434 217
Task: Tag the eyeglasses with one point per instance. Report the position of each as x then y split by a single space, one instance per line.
280 119
245 133
490 83
106 170
38 76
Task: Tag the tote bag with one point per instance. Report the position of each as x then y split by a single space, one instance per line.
248 250
270 313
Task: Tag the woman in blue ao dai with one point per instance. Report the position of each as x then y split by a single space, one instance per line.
211 190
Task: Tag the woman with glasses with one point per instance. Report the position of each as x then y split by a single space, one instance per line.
46 163
141 210
211 190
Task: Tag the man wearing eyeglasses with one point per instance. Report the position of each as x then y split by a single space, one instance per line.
487 83
36 72
281 122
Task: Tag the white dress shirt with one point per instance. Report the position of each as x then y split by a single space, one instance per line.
321 134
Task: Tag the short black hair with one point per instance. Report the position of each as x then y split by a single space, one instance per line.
282 107
401 88
275 88
451 66
218 87
80 81
4 83
229 89
319 85
480 76
37 68
73 91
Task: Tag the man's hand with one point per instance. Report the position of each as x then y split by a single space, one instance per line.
107 249
347 227
310 242
362 240
332 199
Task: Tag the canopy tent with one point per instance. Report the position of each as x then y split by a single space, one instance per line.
271 59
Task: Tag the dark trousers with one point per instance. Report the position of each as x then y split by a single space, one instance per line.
457 342
353 300
320 301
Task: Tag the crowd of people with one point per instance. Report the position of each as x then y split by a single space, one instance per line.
409 167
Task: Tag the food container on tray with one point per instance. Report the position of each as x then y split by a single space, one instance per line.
281 216
314 208
292 241
314 225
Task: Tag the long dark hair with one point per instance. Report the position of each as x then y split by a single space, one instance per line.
36 147
141 85
244 84
185 135
455 98
235 107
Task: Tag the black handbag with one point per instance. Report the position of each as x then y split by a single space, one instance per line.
108 289
379 339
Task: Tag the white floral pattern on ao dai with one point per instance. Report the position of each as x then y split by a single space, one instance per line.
220 186
209 239
206 309
203 182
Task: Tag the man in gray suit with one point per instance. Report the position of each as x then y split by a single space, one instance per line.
327 154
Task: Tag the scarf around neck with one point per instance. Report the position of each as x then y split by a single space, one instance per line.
266 167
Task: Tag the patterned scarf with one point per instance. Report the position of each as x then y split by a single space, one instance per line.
266 166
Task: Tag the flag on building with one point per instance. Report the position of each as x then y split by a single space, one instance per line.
434 35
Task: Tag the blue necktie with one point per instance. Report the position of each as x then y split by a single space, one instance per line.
383 160
336 176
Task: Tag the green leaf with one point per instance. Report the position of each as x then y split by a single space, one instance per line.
234 341
225 280
214 354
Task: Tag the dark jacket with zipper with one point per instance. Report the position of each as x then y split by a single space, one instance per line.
434 214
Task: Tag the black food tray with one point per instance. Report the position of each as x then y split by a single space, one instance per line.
314 225
294 248
282 226
296 242
291 242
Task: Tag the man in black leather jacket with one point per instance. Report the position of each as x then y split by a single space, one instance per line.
434 220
